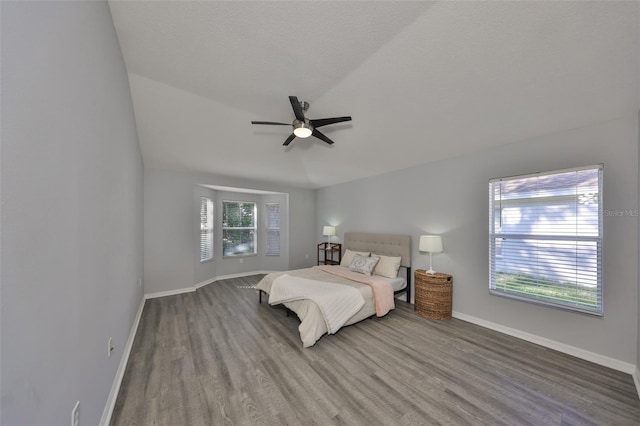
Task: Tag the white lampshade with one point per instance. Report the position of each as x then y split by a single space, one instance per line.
430 243
329 231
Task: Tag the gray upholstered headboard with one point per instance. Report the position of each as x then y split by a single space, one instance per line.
384 244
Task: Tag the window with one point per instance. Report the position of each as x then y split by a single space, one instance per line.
238 228
545 238
206 229
273 229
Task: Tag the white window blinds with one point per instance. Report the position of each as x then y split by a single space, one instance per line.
545 238
273 229
206 229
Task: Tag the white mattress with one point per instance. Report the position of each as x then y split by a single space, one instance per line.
398 283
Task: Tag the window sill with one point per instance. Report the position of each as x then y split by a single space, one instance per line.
235 256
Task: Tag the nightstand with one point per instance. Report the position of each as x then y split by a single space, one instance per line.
329 254
433 295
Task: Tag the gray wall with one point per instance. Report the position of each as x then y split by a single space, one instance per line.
71 211
450 198
170 229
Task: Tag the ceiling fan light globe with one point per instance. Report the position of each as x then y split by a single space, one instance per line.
302 132
302 129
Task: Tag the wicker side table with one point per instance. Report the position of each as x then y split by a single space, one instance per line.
433 297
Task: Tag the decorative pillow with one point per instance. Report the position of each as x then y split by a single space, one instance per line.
362 264
387 266
347 257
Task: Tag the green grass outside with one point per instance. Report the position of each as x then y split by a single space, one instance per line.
563 293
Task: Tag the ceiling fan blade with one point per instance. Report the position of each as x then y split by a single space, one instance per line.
321 136
271 122
297 108
289 139
324 121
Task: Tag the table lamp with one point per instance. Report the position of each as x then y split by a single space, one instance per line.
430 244
329 231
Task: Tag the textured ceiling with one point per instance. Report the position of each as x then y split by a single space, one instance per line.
424 81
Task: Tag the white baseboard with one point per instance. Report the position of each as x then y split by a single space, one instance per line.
606 361
202 284
169 292
226 277
115 387
636 379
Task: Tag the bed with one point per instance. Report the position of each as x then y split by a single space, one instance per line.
326 298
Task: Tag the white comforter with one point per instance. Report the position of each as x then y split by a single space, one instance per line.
337 302
312 325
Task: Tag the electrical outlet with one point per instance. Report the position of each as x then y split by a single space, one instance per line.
241 260
306 256
75 415
140 282
109 347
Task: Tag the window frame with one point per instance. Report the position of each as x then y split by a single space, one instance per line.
209 228
253 228
553 241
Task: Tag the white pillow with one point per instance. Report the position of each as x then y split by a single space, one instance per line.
347 258
387 266
362 264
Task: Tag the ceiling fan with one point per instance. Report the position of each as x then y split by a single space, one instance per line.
304 127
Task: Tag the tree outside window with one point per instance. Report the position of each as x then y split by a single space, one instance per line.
238 228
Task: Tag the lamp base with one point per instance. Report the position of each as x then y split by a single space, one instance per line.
431 271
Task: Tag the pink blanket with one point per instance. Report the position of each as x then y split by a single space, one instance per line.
382 290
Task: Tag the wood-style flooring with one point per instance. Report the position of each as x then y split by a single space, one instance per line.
217 357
